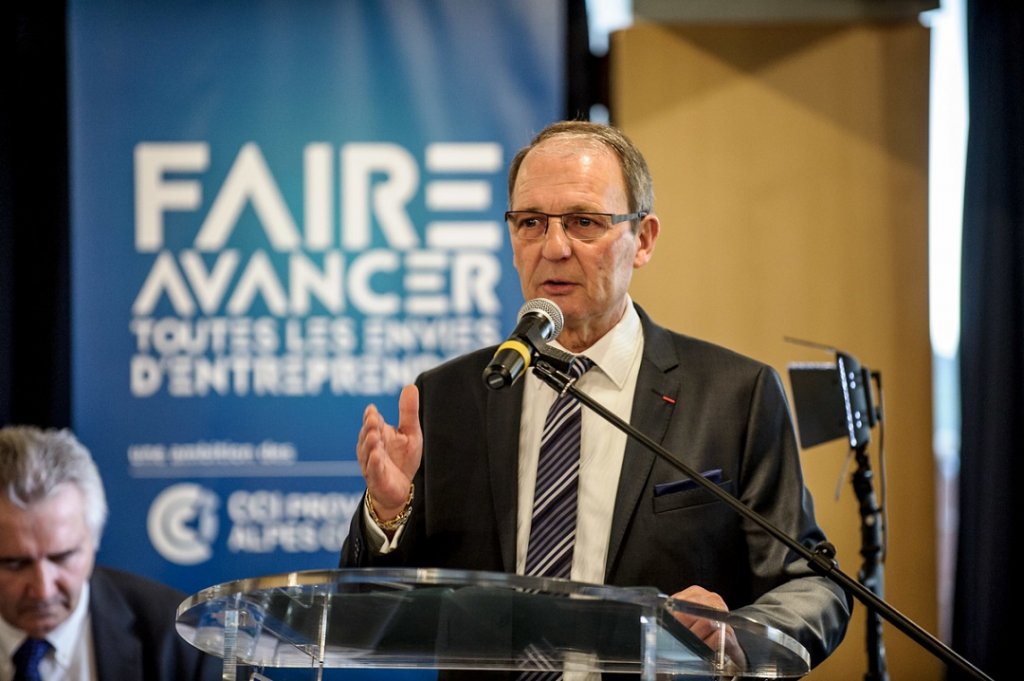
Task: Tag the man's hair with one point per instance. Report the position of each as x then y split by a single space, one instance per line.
639 187
35 463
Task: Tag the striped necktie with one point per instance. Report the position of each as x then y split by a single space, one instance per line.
553 527
27 658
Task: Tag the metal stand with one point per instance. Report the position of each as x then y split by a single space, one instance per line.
836 401
871 550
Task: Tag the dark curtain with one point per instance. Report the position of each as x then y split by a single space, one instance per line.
586 74
988 585
34 291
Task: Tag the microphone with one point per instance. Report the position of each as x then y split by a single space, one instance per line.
540 320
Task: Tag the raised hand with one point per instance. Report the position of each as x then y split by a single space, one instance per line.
389 456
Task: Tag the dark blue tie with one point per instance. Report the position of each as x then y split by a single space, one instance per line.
27 658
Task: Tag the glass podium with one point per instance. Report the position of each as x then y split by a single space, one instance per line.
453 619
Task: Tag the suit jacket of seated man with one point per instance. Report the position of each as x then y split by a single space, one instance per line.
725 411
134 634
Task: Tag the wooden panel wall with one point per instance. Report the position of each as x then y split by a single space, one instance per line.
790 168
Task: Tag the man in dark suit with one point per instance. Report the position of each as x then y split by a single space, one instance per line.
60 616
453 484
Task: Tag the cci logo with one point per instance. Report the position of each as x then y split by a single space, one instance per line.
182 523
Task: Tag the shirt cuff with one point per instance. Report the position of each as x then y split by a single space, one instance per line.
379 541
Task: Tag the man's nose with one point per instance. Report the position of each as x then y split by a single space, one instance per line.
42 580
556 241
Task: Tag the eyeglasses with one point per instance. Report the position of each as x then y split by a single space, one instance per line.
530 224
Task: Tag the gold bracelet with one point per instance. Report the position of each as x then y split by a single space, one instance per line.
396 522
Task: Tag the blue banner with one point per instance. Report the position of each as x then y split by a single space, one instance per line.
282 211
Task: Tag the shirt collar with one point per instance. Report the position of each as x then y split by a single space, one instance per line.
615 353
65 637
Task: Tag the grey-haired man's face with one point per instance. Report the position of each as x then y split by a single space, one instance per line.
46 555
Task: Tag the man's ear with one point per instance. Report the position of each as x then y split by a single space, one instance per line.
646 235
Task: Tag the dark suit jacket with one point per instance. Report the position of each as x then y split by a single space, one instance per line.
134 634
725 411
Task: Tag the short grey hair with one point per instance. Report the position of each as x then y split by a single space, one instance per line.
639 185
35 463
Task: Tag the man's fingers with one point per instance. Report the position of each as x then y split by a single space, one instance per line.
371 423
369 437
409 411
705 629
701 596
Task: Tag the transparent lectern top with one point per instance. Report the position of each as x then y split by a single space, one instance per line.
453 619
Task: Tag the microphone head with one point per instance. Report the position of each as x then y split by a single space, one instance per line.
540 320
548 309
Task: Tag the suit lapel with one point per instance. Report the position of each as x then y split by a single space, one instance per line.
502 436
651 415
118 653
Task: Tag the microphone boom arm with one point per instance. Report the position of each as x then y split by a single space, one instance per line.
821 558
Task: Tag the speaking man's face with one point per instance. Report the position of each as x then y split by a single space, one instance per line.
46 555
588 280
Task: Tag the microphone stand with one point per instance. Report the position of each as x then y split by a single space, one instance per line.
551 367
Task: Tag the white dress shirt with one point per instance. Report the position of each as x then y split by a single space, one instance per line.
611 383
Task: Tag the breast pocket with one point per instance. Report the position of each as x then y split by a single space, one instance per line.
687 494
